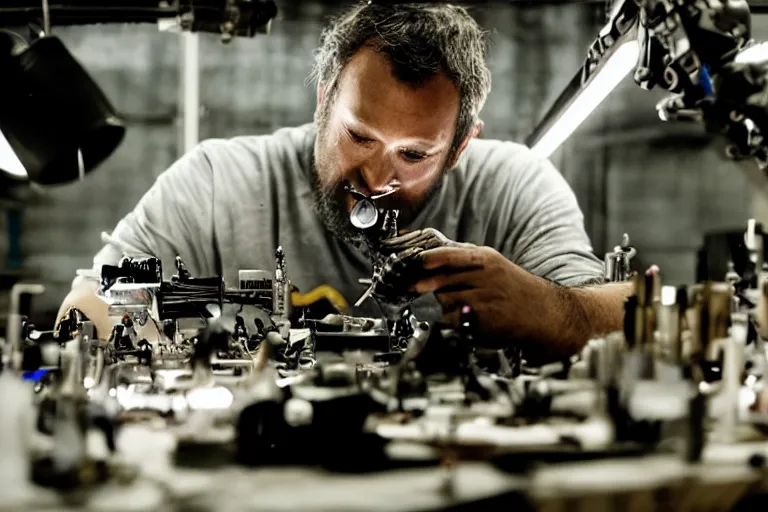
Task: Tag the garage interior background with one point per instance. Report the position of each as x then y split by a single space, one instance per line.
665 186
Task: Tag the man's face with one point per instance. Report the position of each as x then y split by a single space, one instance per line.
377 133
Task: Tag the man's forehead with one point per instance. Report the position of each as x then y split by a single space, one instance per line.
369 93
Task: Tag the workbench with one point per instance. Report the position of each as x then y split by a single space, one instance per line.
652 482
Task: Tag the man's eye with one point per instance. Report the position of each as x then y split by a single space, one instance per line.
413 156
358 138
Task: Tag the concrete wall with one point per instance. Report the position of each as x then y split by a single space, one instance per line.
666 198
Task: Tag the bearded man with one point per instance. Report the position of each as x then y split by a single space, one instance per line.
399 94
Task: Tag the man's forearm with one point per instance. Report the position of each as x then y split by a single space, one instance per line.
581 313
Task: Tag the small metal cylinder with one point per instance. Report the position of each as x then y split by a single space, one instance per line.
616 267
709 319
669 348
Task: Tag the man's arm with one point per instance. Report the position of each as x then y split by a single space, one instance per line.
590 311
536 286
546 319
175 217
548 238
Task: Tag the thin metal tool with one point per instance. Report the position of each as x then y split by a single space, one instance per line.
377 273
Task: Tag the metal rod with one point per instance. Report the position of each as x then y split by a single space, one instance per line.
13 329
46 18
190 93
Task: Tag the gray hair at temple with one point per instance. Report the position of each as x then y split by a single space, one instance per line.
419 40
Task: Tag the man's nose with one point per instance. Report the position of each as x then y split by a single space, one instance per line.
379 177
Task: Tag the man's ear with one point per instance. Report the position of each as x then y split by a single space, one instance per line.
474 132
320 94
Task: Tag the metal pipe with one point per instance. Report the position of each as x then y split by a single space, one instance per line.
46 18
190 90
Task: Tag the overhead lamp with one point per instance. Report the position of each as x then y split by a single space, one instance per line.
610 58
579 99
56 124
9 161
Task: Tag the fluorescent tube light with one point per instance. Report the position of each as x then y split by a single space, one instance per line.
757 53
9 162
600 85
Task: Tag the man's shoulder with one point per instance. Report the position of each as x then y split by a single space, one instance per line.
493 164
286 147
488 155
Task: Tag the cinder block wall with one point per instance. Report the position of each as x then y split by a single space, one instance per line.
256 86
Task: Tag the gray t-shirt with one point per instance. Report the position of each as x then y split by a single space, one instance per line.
228 204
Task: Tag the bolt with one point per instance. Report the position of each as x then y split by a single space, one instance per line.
757 461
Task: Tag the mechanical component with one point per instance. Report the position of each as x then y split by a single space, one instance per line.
130 270
15 321
230 18
281 293
617 263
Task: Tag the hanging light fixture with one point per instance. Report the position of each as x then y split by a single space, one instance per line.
56 124
612 56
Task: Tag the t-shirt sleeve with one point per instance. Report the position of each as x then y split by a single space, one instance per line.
546 235
174 217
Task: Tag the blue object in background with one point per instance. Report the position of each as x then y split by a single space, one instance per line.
706 80
35 376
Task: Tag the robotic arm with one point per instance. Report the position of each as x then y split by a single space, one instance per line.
701 52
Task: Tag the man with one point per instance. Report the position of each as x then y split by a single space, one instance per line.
399 92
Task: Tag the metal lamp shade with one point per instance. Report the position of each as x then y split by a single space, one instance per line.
50 108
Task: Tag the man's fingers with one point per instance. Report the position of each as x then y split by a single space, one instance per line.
453 280
452 302
408 253
466 257
402 239
451 318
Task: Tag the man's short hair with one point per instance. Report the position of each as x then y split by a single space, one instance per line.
420 40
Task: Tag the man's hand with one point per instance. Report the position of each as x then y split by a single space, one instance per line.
401 265
509 303
512 305
424 239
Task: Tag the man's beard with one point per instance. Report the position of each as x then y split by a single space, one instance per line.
330 201
329 204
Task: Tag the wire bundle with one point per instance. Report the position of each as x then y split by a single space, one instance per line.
189 297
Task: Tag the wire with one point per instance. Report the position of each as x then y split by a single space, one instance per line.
316 294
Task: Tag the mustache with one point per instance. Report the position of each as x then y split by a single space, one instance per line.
387 200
